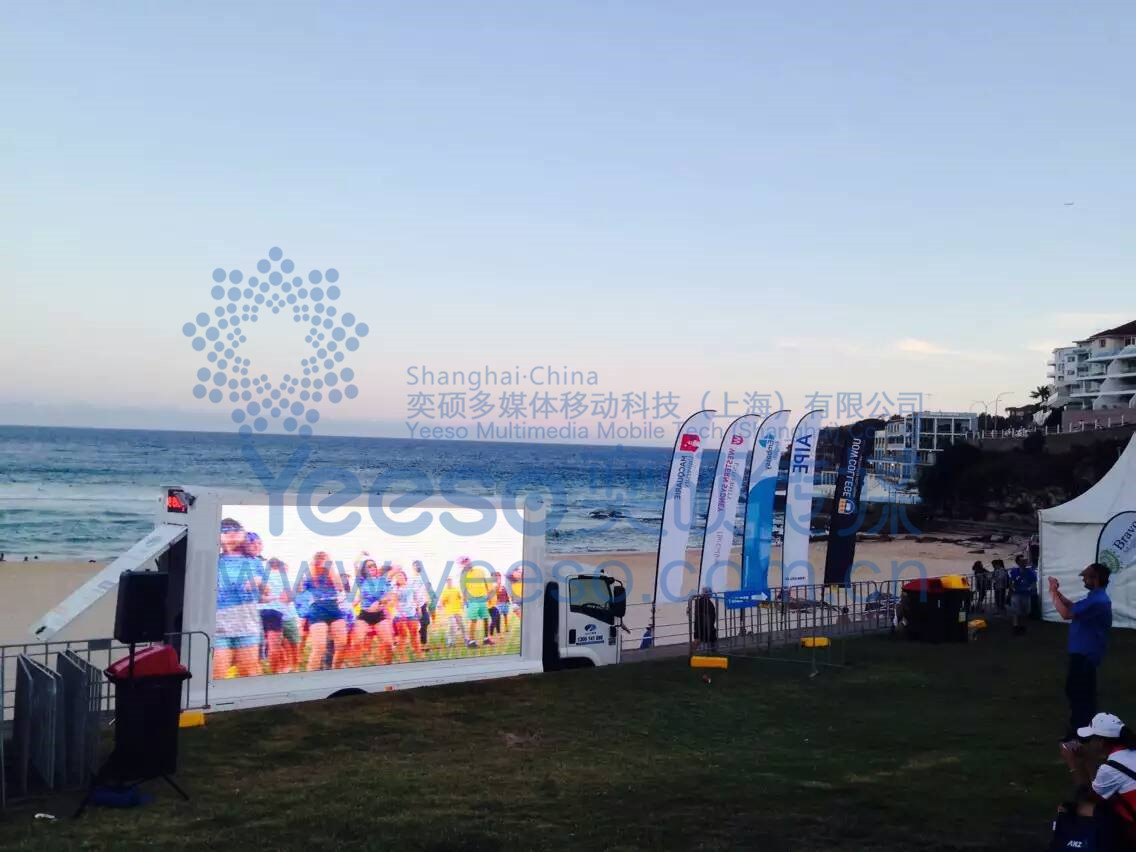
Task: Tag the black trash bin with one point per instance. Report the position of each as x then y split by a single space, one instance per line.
922 610
147 706
936 612
956 614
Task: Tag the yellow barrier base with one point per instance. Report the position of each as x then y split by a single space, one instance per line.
815 642
700 662
191 719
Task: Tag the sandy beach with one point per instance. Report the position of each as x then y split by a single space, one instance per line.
29 589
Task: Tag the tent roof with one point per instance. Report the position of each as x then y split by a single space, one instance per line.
1116 492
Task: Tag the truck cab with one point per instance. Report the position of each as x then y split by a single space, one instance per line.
582 619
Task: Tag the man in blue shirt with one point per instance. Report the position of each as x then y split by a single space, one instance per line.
1090 620
1023 586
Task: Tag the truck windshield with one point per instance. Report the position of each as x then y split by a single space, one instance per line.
591 596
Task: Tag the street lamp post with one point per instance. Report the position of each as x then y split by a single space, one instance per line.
985 410
998 399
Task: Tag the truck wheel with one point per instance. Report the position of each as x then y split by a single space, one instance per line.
354 690
576 663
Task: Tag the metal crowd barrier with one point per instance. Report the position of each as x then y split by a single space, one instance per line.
52 720
100 653
670 626
36 743
795 612
865 606
55 726
806 624
81 707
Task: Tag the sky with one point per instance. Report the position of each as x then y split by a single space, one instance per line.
794 202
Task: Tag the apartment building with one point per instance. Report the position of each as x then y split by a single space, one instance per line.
911 442
1095 374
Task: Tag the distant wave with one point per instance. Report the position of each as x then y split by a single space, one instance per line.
111 495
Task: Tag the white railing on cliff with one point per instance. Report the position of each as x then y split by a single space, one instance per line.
1084 426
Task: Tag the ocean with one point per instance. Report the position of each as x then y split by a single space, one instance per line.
88 493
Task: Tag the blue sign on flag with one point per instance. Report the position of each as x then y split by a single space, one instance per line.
744 599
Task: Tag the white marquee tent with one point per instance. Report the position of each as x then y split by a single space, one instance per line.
1069 536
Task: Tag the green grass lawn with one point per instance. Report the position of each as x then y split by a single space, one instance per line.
911 747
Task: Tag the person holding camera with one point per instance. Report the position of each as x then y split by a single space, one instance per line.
1090 620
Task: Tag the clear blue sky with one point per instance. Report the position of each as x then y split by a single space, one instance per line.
738 196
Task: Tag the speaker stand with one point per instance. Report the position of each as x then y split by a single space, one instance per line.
98 780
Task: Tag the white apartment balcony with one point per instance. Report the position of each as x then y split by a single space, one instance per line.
1118 385
1118 391
1108 402
1124 366
1126 358
1090 386
1104 356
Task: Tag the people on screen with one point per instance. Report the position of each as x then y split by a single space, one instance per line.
372 639
452 606
504 604
279 619
477 585
420 584
407 624
238 629
276 618
326 618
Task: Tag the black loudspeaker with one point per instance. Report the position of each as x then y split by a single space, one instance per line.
141 612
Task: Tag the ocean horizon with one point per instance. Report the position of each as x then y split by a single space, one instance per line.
87 493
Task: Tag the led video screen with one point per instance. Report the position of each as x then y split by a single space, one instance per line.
303 601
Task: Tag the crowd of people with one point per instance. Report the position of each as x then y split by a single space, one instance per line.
1014 590
1098 748
269 623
